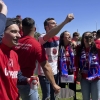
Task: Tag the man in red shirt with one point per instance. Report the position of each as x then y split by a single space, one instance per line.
29 51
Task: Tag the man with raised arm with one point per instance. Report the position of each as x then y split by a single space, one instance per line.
51 42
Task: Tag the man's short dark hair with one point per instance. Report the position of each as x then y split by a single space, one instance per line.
75 34
46 21
98 33
28 22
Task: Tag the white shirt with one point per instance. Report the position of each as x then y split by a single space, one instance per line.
51 48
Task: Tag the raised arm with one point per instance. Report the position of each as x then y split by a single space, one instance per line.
3 8
56 30
3 13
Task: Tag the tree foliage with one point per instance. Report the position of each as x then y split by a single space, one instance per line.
36 35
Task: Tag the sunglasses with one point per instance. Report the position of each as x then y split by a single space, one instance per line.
87 37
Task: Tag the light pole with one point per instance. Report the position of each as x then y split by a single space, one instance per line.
77 30
96 26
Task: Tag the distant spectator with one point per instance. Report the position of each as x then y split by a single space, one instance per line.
19 21
75 38
94 34
97 41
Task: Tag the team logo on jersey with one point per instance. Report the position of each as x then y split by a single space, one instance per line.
10 62
54 51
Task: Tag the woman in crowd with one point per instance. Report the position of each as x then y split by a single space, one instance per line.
88 60
66 59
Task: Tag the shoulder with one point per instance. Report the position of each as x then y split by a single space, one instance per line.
41 38
14 53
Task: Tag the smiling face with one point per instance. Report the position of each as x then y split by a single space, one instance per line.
11 35
67 38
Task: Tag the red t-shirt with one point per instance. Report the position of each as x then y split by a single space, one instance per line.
97 43
8 73
29 51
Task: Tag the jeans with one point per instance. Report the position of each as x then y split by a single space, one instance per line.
26 93
90 87
46 87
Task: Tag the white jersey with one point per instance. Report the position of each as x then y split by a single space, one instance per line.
51 48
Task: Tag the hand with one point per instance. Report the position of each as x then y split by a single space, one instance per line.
3 8
69 18
56 88
29 80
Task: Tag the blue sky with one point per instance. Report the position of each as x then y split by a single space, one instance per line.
86 12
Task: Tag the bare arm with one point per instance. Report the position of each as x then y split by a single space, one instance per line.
48 73
56 30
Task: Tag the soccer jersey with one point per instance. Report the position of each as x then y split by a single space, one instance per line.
51 48
9 68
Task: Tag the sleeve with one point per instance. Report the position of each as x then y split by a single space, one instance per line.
41 54
21 78
2 25
41 40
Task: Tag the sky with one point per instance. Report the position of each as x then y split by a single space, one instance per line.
86 13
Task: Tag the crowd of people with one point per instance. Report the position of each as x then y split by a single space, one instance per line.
57 58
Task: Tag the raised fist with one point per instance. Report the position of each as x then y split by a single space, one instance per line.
3 8
69 18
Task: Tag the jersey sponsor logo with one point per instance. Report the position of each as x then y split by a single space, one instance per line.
23 46
12 74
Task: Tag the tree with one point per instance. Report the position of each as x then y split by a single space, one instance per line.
80 38
36 35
